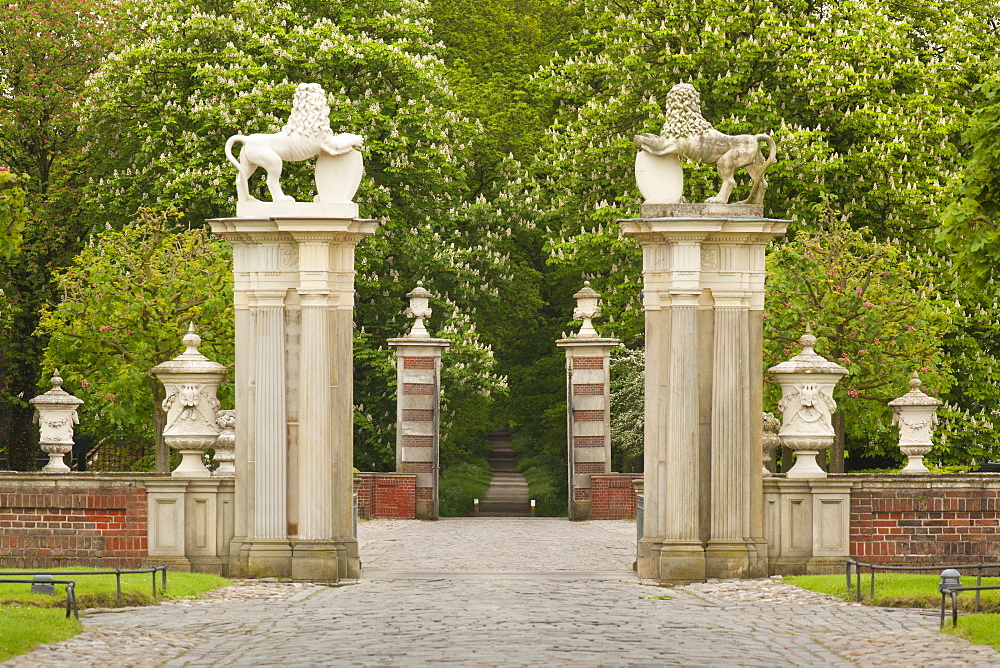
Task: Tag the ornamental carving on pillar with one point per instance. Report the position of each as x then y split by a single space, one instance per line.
307 134
686 133
225 444
771 441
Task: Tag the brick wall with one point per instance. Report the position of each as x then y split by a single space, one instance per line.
386 495
613 496
926 519
96 520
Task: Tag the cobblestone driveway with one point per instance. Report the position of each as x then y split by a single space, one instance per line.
509 592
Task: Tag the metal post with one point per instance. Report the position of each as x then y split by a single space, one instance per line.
118 583
979 583
871 595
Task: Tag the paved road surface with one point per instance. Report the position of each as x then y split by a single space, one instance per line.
506 591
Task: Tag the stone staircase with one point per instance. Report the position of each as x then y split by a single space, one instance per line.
508 492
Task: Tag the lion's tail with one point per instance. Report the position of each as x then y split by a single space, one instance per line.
772 149
229 148
757 190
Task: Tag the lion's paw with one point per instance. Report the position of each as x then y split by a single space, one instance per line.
716 200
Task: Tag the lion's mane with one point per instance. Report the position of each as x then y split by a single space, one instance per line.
310 115
683 111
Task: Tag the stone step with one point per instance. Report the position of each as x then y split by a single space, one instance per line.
508 494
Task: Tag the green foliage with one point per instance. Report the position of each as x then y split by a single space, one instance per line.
874 309
13 211
627 409
127 299
206 70
549 496
48 49
969 224
459 484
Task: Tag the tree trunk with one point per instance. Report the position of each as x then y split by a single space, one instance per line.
786 460
159 423
837 449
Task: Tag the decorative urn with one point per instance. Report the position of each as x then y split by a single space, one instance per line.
586 309
807 406
419 309
915 414
55 414
191 381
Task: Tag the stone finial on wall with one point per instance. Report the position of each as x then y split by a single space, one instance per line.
225 444
419 309
770 442
55 415
586 309
807 406
191 381
915 414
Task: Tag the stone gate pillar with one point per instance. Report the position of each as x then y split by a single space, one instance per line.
418 414
588 404
703 272
294 298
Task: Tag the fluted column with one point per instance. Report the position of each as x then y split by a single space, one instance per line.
703 295
730 500
269 418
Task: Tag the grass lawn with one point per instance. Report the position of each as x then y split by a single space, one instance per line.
905 590
28 620
460 484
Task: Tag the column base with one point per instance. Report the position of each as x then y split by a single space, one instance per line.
214 565
680 562
315 560
759 560
725 559
268 558
423 509
582 509
348 561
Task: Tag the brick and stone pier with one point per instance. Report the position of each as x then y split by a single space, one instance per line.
418 390
588 404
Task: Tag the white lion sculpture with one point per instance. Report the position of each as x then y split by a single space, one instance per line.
688 134
306 135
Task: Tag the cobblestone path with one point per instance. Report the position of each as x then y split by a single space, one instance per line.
509 592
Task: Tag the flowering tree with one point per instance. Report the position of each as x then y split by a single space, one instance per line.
869 120
196 73
127 299
874 310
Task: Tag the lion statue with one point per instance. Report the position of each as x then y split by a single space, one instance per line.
306 136
687 133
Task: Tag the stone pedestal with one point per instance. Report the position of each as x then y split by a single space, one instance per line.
807 524
294 299
190 523
703 269
588 417
418 390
